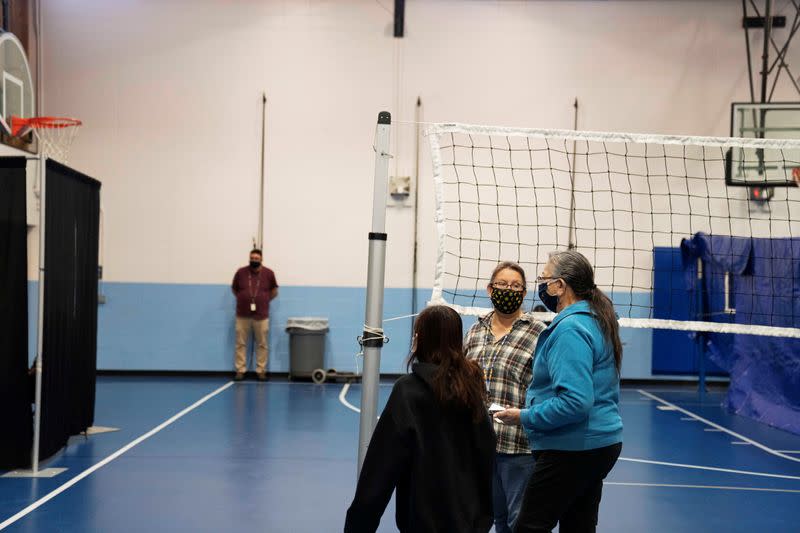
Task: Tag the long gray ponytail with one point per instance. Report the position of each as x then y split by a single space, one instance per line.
577 272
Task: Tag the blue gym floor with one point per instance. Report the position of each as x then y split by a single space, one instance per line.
281 457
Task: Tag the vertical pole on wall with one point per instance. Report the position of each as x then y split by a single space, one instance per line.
765 52
260 243
701 336
373 338
399 18
414 260
571 238
37 415
760 131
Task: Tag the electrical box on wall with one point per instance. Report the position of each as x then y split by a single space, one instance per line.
400 191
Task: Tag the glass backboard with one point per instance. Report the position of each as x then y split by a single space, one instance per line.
764 167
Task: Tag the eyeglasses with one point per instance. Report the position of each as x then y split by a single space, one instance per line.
517 287
541 279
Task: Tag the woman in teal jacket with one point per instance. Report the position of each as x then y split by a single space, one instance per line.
572 416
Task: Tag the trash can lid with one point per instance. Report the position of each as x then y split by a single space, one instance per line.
308 323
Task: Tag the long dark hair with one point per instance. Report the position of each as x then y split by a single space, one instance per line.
457 381
577 272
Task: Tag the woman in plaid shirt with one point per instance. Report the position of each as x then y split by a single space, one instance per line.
502 343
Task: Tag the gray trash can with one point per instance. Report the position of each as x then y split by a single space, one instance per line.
306 345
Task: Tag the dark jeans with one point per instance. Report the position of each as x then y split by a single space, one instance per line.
565 489
511 475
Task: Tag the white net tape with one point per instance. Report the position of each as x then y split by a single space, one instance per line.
518 194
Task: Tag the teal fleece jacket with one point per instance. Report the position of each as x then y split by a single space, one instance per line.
573 399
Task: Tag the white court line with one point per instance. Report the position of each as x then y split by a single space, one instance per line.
346 388
740 443
711 468
717 487
41 501
788 451
273 383
343 399
726 430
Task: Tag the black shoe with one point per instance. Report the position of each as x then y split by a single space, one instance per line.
239 376
262 376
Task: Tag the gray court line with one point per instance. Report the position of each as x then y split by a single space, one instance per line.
721 428
711 468
41 501
717 487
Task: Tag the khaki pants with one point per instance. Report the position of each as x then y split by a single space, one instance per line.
260 329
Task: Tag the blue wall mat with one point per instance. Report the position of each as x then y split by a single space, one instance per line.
674 352
146 326
637 343
151 326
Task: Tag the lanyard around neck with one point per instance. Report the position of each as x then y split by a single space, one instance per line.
250 285
496 348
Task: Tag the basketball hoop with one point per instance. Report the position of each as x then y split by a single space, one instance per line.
55 134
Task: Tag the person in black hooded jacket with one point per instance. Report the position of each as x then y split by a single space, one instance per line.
434 443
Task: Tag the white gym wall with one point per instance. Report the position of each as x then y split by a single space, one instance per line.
170 95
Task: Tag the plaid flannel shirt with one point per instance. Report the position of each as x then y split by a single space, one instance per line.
507 365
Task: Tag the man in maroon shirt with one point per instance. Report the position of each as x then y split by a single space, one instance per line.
254 287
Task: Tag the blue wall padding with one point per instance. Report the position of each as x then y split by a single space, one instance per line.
674 352
765 290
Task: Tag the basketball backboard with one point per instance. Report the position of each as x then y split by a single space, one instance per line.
764 167
16 85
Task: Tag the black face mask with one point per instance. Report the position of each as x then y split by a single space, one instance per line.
550 302
507 301
255 264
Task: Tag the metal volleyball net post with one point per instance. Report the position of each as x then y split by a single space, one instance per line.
373 338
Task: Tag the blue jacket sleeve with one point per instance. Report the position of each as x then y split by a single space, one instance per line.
569 363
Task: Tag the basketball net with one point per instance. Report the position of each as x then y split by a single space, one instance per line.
54 134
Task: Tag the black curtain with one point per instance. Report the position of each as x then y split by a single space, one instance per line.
72 212
16 425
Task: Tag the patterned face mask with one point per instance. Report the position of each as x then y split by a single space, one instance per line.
507 301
